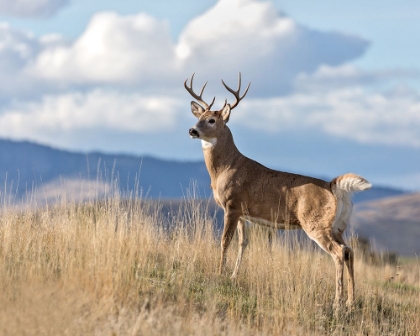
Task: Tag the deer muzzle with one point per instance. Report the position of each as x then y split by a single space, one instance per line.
194 133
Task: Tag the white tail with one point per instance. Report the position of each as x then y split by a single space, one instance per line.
349 183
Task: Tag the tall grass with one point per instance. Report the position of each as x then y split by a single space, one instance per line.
119 267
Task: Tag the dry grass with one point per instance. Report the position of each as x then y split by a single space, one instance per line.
119 268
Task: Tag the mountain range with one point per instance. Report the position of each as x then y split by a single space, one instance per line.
26 165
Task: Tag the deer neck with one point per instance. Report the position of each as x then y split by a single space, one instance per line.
221 154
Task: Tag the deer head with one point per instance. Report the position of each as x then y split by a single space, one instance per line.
211 123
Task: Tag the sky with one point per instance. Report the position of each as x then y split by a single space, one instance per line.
335 85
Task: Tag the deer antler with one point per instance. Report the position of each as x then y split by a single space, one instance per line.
236 93
195 96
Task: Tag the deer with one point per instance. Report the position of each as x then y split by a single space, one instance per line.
247 191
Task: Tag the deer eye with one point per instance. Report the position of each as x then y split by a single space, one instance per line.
212 121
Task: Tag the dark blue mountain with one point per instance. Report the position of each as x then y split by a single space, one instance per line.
26 165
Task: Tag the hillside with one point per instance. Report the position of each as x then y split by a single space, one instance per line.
392 223
109 268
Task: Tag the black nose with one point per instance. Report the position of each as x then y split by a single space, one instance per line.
193 132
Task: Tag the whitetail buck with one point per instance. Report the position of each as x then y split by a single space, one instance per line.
248 191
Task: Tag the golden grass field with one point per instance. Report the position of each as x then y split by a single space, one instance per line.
117 267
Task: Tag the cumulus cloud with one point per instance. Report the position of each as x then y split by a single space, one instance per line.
390 118
253 35
347 75
17 50
113 49
234 35
31 8
138 51
91 111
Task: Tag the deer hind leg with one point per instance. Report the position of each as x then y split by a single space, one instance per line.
230 223
338 252
242 243
340 223
349 261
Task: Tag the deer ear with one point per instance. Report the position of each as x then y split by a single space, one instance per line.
225 113
197 109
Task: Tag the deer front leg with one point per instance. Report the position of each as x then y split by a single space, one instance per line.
242 243
230 224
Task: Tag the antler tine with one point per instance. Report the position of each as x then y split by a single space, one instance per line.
224 104
199 98
211 104
237 92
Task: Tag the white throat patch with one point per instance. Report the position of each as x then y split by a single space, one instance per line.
208 143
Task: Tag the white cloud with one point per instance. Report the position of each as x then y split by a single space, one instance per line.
138 51
347 75
113 49
254 37
31 8
247 35
17 49
390 118
98 110
381 118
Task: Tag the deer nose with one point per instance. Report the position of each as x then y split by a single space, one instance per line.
193 132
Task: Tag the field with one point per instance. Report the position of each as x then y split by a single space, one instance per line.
119 267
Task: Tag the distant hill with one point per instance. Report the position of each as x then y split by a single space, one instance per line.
376 192
25 166
392 223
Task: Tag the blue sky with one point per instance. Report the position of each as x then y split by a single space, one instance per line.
335 86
